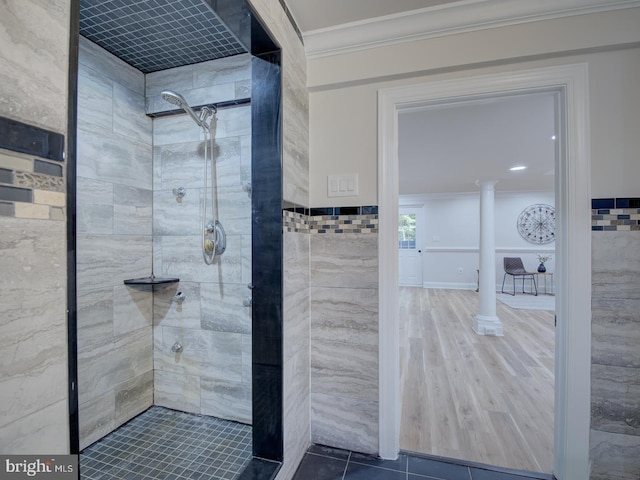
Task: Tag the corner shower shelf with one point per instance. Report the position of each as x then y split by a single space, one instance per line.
150 281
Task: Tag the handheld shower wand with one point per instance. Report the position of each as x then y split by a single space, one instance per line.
176 99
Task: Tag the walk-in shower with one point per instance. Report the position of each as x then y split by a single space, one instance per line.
141 208
214 239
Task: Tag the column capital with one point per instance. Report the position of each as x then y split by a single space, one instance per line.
486 184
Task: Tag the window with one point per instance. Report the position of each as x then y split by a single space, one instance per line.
407 231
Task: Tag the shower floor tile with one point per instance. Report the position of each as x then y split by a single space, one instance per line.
165 444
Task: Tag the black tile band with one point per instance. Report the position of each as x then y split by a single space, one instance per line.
21 137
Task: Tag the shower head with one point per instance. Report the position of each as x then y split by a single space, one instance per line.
178 100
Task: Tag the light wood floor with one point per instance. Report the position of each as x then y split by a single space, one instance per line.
479 398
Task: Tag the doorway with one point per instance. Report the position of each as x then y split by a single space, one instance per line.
469 396
572 203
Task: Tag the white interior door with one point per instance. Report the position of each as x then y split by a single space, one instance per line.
410 245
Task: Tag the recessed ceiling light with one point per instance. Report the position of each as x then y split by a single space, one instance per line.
552 137
519 167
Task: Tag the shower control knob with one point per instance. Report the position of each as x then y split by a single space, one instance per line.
247 302
250 286
177 347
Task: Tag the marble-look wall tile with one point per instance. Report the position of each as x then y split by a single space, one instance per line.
296 293
245 259
233 122
222 309
103 367
96 417
110 66
180 165
615 369
95 309
46 430
216 355
182 258
227 156
297 405
344 369
615 399
243 89
227 400
34 54
33 358
95 100
133 397
94 208
108 158
177 216
234 210
132 309
344 422
132 210
129 119
615 456
169 312
175 129
178 79
223 70
348 260
177 390
347 315
107 260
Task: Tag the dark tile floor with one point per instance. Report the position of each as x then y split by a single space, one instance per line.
166 444
325 463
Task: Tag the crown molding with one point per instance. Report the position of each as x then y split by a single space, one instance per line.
448 19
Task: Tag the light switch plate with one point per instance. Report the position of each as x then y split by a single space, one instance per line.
344 185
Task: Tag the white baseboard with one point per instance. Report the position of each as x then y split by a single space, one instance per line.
451 285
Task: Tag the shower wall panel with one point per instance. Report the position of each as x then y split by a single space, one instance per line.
114 201
212 375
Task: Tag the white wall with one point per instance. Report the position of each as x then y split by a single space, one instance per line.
343 98
451 235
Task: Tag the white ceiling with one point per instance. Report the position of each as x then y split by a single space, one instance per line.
446 148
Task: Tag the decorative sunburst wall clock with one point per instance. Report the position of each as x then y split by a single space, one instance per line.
537 224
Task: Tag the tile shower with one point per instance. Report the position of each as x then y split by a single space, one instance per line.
130 224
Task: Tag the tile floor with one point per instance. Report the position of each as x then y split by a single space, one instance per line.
166 444
325 463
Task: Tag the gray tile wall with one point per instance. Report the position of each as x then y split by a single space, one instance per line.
212 375
615 368
33 374
114 202
344 340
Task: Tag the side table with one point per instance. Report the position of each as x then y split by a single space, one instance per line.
545 276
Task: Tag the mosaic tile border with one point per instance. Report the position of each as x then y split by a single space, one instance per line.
31 187
330 220
615 214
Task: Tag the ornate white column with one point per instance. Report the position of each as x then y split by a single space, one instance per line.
486 322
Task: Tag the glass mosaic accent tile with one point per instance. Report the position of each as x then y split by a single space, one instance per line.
166 444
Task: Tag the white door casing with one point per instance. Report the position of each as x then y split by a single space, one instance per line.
573 266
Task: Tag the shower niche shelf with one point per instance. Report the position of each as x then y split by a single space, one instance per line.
150 281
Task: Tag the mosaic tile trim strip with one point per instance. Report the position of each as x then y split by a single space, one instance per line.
294 222
615 214
615 219
343 224
31 187
318 224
